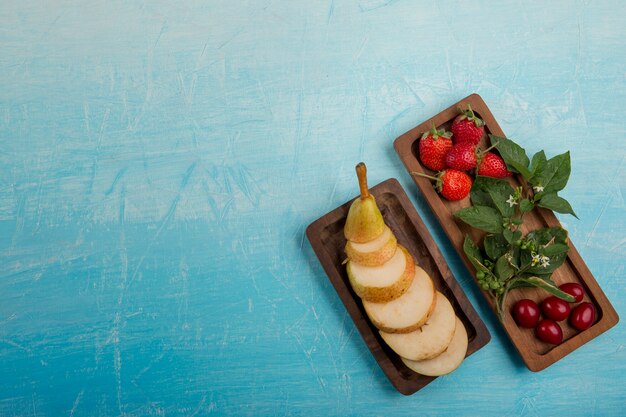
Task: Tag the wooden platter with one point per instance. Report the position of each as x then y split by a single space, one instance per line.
326 238
536 355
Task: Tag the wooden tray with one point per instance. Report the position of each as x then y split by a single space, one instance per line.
536 354
327 240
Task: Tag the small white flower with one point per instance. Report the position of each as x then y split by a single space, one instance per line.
512 201
536 258
538 188
545 261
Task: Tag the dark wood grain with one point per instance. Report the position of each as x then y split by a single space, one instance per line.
326 238
535 354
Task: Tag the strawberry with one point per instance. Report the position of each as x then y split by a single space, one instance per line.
492 165
453 185
467 127
462 156
433 148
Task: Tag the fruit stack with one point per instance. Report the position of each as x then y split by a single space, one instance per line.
456 153
399 297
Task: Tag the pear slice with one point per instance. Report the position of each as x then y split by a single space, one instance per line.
364 221
429 340
408 312
447 361
386 282
375 252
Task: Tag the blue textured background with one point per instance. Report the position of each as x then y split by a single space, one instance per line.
159 162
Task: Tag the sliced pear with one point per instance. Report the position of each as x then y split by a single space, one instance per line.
364 221
386 282
429 340
447 361
408 312
375 252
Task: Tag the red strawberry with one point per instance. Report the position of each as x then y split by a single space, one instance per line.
467 127
452 184
462 156
434 146
455 185
492 165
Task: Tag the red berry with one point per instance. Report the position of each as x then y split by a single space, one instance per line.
467 127
462 156
555 308
454 185
549 331
574 289
526 313
434 146
583 316
491 165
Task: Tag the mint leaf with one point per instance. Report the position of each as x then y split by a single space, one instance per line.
495 246
473 254
526 205
481 217
514 155
539 161
548 286
503 269
492 192
554 202
554 174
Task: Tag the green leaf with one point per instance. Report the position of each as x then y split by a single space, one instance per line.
514 155
503 269
541 237
495 246
511 236
547 285
554 249
554 174
473 254
554 202
555 262
539 161
492 192
546 234
481 217
526 205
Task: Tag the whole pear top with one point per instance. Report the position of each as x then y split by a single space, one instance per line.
364 222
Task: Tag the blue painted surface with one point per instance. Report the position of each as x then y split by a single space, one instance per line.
159 162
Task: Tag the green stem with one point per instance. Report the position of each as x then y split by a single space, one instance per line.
491 147
419 174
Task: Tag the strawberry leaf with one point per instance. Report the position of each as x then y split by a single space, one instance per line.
554 202
514 155
482 217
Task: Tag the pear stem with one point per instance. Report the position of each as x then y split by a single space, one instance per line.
419 174
361 173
